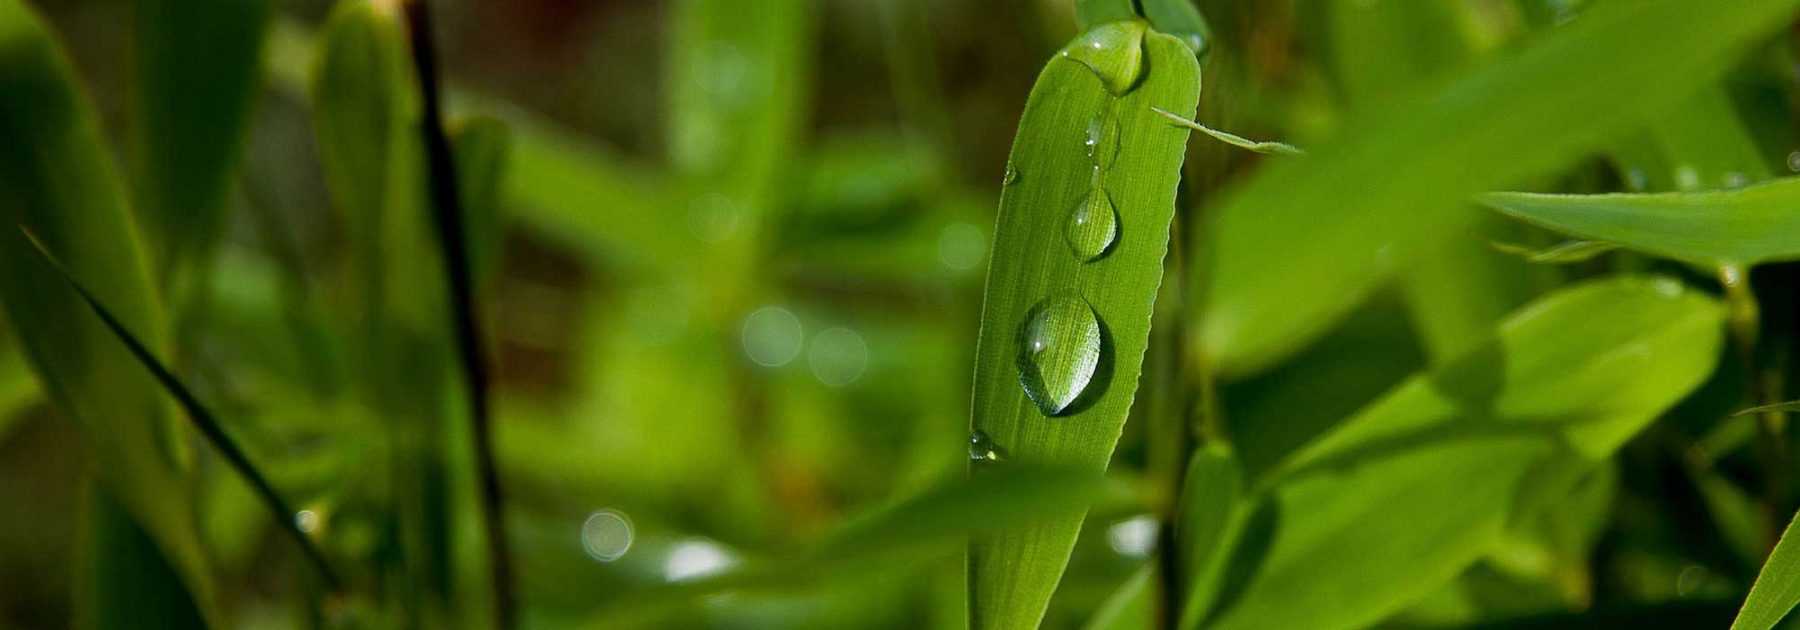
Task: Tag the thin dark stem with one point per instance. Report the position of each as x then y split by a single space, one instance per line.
201 417
447 209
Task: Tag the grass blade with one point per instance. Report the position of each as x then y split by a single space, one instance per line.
446 203
1746 226
1038 273
199 63
202 418
1362 204
1265 147
56 176
1777 587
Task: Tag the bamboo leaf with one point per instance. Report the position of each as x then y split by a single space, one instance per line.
1181 19
1092 13
1777 587
1405 494
1069 299
202 418
1129 607
483 145
1292 251
1747 226
199 63
56 177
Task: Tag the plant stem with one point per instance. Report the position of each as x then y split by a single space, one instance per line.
1744 323
447 209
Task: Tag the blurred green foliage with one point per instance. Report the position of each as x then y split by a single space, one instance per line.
731 257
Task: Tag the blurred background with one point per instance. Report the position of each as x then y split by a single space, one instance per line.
735 287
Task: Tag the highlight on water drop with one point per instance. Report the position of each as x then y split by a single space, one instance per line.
1059 352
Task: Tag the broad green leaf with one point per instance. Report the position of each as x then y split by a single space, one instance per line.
482 148
1306 239
1746 226
57 179
123 579
199 63
1777 587
1210 498
1407 493
1059 319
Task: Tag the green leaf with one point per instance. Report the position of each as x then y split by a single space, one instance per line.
57 179
199 63
123 579
1037 270
1777 587
1210 498
1181 19
1306 239
482 147
1715 228
1406 494
1792 405
202 418
1092 13
1128 608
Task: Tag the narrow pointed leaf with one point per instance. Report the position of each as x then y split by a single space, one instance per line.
1407 493
202 418
1306 239
1058 319
1777 587
57 178
1747 226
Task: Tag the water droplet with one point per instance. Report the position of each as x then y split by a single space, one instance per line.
772 336
961 246
1134 537
1794 161
1686 178
695 558
607 535
1011 177
1735 180
1059 350
838 356
1113 51
1092 226
982 450
308 521
1636 180
1668 287
1102 140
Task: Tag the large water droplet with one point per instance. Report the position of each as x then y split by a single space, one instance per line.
982 450
1113 51
1059 350
1093 225
1102 140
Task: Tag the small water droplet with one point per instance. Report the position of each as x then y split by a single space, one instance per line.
1093 225
838 356
1011 177
1636 180
1134 537
606 535
772 336
982 449
1735 180
1059 350
696 558
1114 52
1793 161
1102 140
1668 287
1686 178
308 521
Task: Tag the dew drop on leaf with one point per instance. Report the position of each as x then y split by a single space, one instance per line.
1059 350
1102 140
1092 226
982 449
1113 51
1011 177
